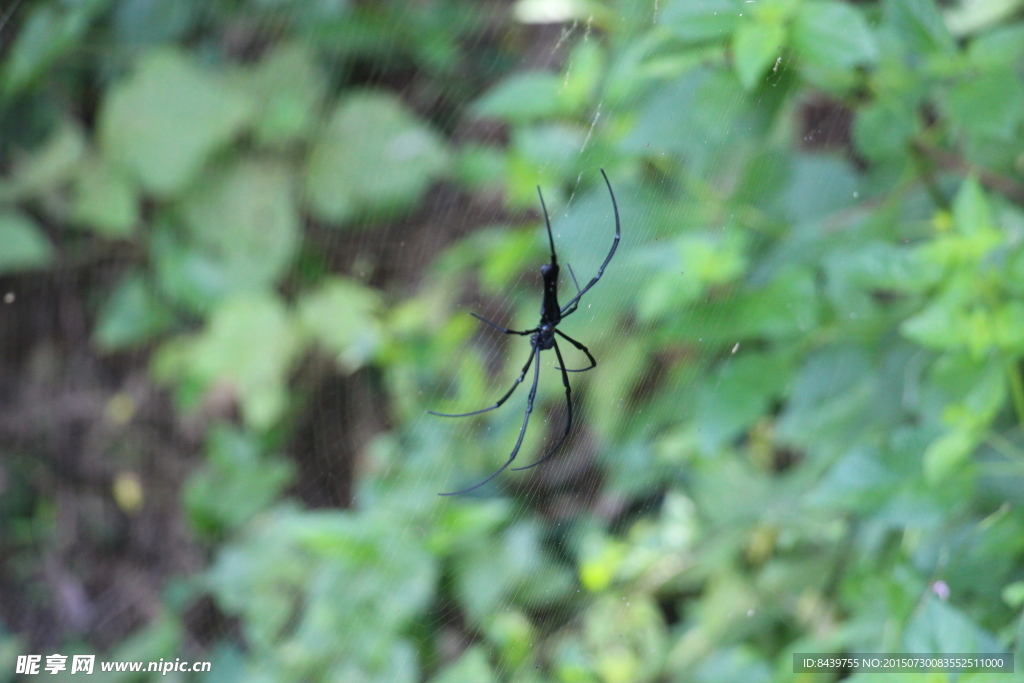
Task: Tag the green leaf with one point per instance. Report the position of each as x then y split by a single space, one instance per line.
987 105
237 482
1013 594
289 90
46 35
185 274
245 219
738 394
246 349
22 244
49 166
946 454
343 316
971 212
165 121
756 46
131 315
104 200
832 35
374 155
583 74
471 667
918 24
522 98
882 128
701 20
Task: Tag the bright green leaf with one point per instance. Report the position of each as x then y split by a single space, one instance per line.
164 122
699 20
989 104
523 97
756 46
247 349
343 316
104 200
245 219
946 454
832 35
289 90
971 212
237 482
374 155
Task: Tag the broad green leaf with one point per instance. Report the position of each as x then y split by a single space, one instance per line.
289 91
1013 594
700 20
971 212
164 122
918 24
989 104
946 454
131 315
942 324
971 16
343 316
756 46
471 667
246 221
236 482
739 393
883 128
104 200
373 155
247 349
937 626
185 274
23 246
1000 47
699 116
832 35
523 97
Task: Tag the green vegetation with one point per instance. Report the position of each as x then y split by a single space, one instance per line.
806 420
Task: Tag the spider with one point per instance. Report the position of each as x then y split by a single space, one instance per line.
542 338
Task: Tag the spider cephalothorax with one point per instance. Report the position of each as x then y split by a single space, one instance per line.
542 338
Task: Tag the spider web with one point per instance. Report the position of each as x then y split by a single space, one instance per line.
379 578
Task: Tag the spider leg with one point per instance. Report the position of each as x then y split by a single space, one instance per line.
570 307
574 278
533 352
568 422
581 347
547 221
499 327
522 430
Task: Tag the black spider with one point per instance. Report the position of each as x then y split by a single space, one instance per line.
542 338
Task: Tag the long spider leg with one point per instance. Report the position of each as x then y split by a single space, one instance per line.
573 278
533 352
547 221
600 271
499 327
522 432
568 402
581 347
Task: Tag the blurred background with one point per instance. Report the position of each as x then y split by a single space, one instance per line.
239 242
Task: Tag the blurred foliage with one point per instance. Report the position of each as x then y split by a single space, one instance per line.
809 401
